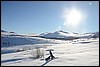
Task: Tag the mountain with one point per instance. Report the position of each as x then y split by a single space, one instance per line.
11 38
42 34
3 31
95 34
60 34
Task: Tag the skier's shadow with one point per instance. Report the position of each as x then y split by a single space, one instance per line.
45 62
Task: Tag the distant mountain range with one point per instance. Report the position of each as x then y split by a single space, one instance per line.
56 34
67 35
12 38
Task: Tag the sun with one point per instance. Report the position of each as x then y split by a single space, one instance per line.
74 17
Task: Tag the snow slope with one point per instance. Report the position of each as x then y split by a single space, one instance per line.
68 53
8 40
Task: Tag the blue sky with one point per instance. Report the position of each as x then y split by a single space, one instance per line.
25 17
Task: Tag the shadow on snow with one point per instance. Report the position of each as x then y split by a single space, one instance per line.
11 60
46 62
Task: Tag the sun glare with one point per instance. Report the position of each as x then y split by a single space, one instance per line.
74 17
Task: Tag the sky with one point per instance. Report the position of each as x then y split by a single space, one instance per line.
24 17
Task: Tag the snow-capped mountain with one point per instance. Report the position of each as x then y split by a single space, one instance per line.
58 34
68 35
11 38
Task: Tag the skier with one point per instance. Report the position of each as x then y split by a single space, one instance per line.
51 55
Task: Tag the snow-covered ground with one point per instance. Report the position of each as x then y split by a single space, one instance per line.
69 53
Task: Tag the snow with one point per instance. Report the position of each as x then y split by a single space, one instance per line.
69 54
19 50
7 41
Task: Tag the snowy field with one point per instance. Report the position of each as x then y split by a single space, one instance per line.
76 53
